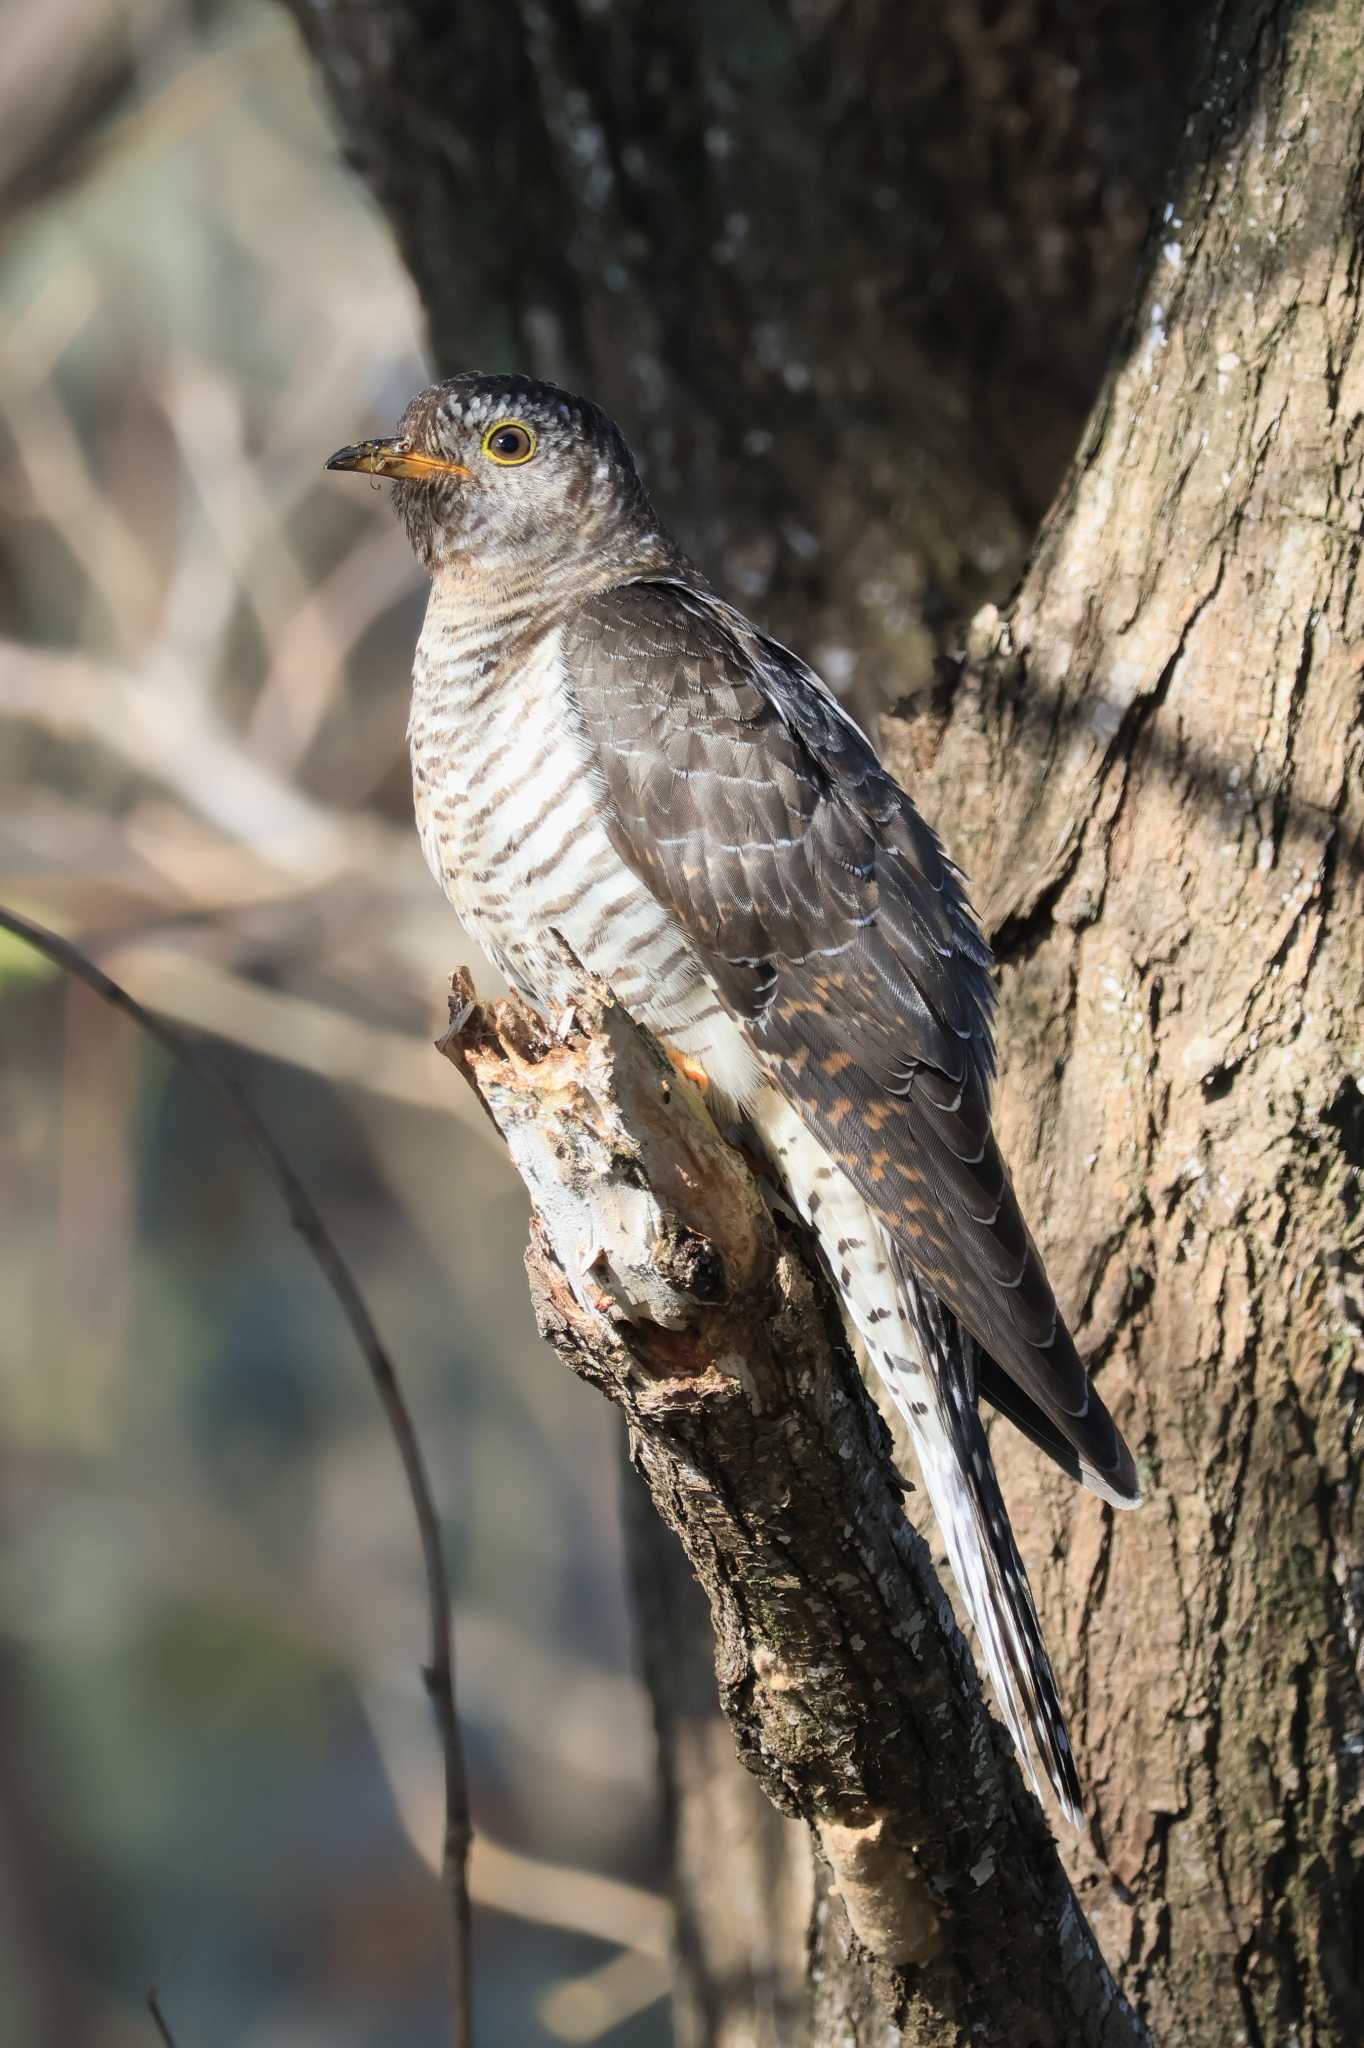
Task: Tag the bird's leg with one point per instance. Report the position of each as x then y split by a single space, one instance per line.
689 1069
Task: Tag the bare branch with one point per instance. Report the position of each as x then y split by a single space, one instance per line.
343 1049
164 729
159 2020
588 2007
439 1671
660 1276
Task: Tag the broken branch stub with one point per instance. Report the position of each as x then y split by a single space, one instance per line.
659 1274
651 1217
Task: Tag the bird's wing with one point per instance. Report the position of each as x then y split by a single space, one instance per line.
837 932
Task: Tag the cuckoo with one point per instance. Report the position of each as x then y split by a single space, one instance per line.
604 749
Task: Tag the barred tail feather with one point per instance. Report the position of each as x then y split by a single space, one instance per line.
929 1366
959 1475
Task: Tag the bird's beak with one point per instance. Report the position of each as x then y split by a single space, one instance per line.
394 458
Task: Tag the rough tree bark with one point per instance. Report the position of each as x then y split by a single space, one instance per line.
659 1275
846 276
1170 730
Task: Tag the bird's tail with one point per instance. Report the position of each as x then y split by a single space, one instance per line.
959 1475
929 1367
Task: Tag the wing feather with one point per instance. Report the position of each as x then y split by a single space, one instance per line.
837 931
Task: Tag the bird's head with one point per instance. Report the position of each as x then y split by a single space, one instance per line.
514 480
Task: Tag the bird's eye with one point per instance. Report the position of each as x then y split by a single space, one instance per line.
509 441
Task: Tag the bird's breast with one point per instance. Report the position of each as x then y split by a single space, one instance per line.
513 821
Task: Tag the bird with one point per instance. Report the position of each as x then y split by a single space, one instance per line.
615 771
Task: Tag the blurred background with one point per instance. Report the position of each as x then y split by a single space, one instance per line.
217 1774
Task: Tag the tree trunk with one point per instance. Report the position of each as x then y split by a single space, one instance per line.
848 278
660 1277
1154 773
743 1872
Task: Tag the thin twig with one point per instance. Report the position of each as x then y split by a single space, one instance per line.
159 2020
439 1672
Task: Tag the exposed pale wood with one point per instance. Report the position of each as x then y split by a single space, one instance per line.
660 1276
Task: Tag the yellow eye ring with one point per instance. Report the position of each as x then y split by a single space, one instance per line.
509 442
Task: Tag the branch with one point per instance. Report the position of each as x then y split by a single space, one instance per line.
439 1672
172 735
660 1276
158 2018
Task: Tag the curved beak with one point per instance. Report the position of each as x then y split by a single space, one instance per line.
394 458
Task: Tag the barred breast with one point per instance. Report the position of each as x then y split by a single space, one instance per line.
512 816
